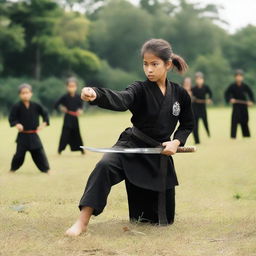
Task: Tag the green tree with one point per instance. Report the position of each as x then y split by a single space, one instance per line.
56 42
71 46
37 17
157 6
193 32
73 28
240 48
118 32
114 78
11 35
86 6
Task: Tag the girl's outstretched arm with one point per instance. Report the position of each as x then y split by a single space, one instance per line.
111 99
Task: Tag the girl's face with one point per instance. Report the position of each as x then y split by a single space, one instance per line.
155 68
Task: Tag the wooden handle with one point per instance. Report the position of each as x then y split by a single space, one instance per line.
190 149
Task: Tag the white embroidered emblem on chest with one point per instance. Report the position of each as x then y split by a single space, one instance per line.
176 108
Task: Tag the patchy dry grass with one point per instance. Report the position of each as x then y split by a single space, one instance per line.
216 199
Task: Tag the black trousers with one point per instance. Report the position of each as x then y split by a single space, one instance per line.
72 137
38 156
244 126
142 202
196 127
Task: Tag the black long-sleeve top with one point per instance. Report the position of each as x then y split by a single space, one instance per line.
202 93
28 117
242 92
72 103
155 115
152 112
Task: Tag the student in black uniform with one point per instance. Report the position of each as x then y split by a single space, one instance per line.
187 85
157 105
241 96
202 95
24 116
72 105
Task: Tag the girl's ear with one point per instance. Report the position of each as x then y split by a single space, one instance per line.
169 65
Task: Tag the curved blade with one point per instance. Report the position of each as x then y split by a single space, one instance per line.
125 150
157 150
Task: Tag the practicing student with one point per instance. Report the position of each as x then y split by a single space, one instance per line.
24 116
241 96
202 95
72 105
187 85
156 104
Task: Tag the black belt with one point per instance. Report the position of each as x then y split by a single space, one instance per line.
162 170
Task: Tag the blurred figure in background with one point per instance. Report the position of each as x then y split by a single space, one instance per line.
202 95
24 116
187 85
72 105
241 96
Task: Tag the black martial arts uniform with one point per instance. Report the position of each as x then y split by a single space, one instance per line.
70 134
240 111
28 140
150 179
199 108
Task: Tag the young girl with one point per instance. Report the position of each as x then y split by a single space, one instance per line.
241 96
202 95
72 105
25 116
187 85
156 106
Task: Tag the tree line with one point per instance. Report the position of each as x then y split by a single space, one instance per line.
44 41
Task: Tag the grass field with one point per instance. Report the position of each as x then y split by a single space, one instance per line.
216 199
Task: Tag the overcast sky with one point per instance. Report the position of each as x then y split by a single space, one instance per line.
238 13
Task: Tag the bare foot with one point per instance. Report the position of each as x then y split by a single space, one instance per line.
76 229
